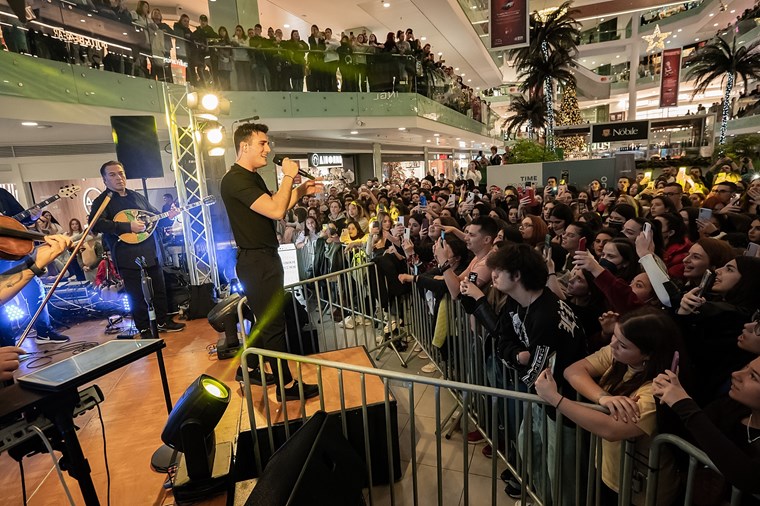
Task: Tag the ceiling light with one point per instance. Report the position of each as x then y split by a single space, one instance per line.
601 19
459 138
593 63
463 74
715 24
469 80
680 30
732 11
440 53
402 128
436 135
124 33
674 36
456 69
423 39
696 40
712 14
29 123
386 4
286 26
427 140
583 61
354 132
618 56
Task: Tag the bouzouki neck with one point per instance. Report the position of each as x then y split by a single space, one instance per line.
161 216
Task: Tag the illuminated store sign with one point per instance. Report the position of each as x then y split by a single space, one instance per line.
613 132
325 160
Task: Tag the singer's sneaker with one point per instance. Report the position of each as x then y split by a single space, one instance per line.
171 326
51 337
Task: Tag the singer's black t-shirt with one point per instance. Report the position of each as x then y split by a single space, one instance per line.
240 188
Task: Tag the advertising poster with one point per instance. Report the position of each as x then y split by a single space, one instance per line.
669 77
508 24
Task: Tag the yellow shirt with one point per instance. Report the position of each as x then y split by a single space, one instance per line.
601 361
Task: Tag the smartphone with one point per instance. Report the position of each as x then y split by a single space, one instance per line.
472 277
648 230
470 196
674 363
582 244
443 235
752 250
564 177
551 361
373 224
407 233
452 201
423 201
708 278
531 192
704 213
401 221
344 236
737 198
648 174
425 223
548 241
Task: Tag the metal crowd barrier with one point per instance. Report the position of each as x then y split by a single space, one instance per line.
473 393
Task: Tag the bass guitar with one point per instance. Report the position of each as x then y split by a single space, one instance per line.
69 191
151 219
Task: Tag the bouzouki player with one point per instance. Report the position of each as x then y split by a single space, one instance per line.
124 254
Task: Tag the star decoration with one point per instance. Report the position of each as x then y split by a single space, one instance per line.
656 40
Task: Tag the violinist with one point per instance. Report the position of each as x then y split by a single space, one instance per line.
33 291
11 285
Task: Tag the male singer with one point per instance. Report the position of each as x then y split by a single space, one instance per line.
124 254
253 211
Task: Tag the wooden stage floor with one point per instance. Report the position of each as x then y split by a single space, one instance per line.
134 414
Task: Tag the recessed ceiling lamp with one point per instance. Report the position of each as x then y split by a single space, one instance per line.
29 123
436 135
386 4
423 39
401 129
354 132
286 26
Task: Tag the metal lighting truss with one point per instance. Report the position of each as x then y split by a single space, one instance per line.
190 175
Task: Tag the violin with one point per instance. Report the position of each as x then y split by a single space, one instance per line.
16 241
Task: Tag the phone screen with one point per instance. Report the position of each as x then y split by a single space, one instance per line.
473 277
705 213
708 278
674 363
582 244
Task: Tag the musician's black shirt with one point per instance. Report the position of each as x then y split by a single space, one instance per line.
124 254
240 188
9 206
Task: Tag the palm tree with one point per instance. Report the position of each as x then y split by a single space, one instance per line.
552 48
530 112
720 60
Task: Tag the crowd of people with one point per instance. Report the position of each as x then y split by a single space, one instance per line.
614 281
246 59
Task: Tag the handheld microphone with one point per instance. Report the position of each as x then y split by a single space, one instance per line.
277 160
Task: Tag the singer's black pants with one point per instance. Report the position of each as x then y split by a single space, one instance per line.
133 287
261 274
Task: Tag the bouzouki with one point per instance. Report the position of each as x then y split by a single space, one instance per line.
69 191
151 219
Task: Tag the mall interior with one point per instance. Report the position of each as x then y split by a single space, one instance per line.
527 272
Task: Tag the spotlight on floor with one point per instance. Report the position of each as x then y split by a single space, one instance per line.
205 464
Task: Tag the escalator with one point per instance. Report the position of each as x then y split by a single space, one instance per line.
590 85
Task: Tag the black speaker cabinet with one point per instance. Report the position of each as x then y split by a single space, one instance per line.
245 468
137 148
315 466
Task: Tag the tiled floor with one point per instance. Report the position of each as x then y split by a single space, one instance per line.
134 415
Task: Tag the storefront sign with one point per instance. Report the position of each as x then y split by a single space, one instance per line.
325 160
508 23
89 195
516 175
386 95
75 38
669 77
613 132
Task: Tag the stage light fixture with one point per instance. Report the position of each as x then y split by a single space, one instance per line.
205 465
14 312
215 135
207 105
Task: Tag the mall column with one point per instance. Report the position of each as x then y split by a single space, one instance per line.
233 12
634 53
377 161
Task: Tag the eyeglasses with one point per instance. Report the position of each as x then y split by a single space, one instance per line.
529 225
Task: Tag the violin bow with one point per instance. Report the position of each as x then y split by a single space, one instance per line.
72 258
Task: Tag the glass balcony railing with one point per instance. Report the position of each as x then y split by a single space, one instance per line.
79 35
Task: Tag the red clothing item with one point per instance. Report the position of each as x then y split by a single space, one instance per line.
618 293
100 277
673 257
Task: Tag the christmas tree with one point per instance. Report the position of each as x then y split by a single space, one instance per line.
570 114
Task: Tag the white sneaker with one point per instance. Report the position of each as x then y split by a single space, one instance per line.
417 348
422 355
390 327
429 368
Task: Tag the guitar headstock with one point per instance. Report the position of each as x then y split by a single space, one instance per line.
209 200
69 191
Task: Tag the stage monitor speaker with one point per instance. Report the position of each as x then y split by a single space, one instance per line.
137 148
315 466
